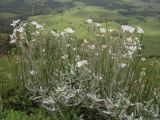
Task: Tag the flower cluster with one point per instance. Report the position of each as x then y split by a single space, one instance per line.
131 45
89 21
38 26
130 29
19 33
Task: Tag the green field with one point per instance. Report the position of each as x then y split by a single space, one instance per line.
59 14
77 16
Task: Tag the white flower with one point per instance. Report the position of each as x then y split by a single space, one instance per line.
64 57
130 54
43 50
68 45
92 47
74 49
13 41
82 63
131 45
129 39
122 65
77 58
97 53
140 30
33 72
133 48
13 38
100 77
54 33
89 21
15 22
104 46
34 23
127 28
143 73
102 30
69 30
20 30
110 30
36 33
143 59
38 26
85 41
110 51
98 24
62 33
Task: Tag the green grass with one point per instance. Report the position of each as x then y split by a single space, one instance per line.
11 114
4 68
75 18
8 84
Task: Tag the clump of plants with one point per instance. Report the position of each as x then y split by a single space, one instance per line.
102 77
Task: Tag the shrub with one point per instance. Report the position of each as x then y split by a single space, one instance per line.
102 77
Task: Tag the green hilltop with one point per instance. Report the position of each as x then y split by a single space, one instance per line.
59 14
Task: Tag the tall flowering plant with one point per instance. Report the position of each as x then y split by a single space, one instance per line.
104 74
